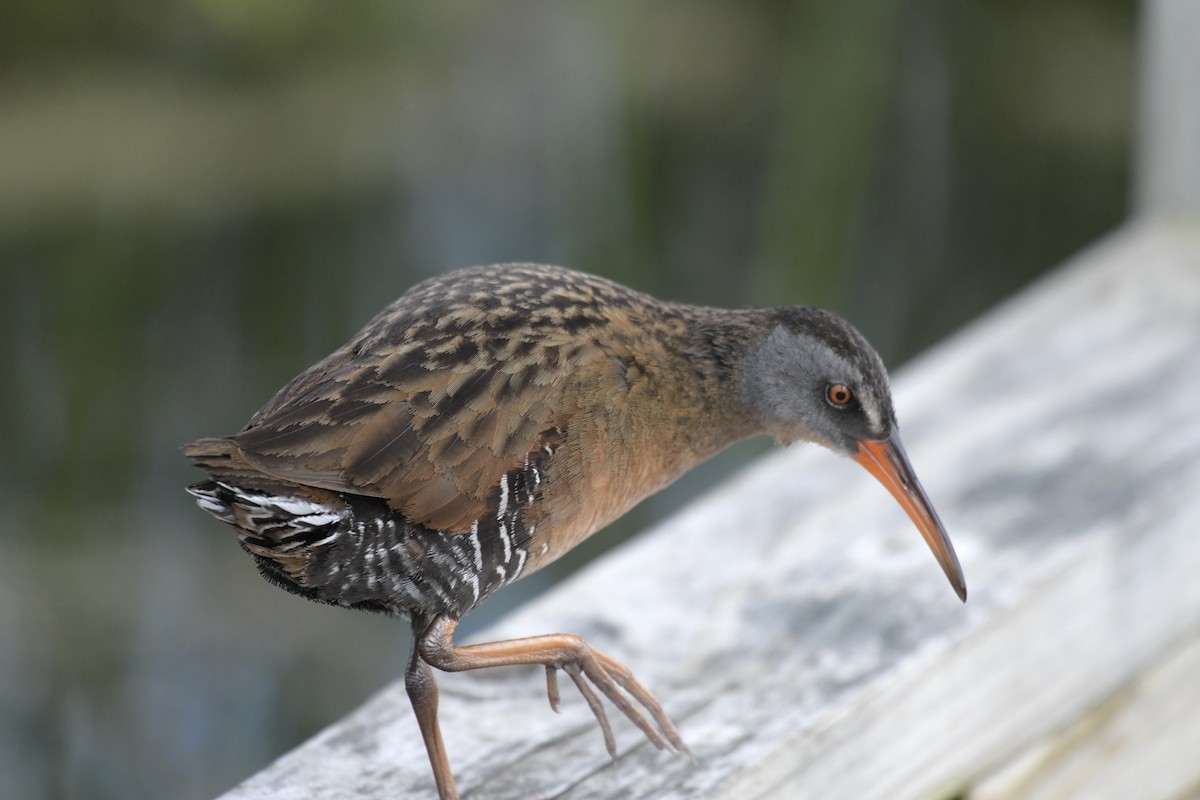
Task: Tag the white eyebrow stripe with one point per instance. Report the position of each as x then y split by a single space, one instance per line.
871 409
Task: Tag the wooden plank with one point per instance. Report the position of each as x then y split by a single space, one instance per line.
1131 745
794 624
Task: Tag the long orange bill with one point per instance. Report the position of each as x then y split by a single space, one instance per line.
887 461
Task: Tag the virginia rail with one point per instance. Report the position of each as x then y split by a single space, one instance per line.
493 418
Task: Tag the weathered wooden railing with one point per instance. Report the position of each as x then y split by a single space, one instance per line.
803 639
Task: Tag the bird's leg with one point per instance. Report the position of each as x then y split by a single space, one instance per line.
422 689
574 656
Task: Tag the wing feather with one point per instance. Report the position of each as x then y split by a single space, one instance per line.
433 442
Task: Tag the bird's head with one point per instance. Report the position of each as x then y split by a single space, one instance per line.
813 377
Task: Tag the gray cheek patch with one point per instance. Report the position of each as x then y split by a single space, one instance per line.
786 371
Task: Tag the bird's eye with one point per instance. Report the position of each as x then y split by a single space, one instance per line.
838 395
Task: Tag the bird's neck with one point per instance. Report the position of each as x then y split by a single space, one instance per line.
680 402
703 382
720 340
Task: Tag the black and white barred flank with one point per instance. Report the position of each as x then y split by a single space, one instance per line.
360 553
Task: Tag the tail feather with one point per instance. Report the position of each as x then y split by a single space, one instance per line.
277 522
222 458
340 549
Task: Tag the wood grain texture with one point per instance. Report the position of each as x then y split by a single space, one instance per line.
822 655
1140 742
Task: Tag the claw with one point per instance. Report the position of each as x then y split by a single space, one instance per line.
625 679
576 673
598 676
552 688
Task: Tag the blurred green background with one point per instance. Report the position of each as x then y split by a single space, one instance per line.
199 198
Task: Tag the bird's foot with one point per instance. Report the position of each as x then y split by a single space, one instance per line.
587 666
618 684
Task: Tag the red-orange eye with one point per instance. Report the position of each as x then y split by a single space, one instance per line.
839 394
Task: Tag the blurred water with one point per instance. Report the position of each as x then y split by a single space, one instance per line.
198 204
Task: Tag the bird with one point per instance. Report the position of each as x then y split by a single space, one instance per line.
492 418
